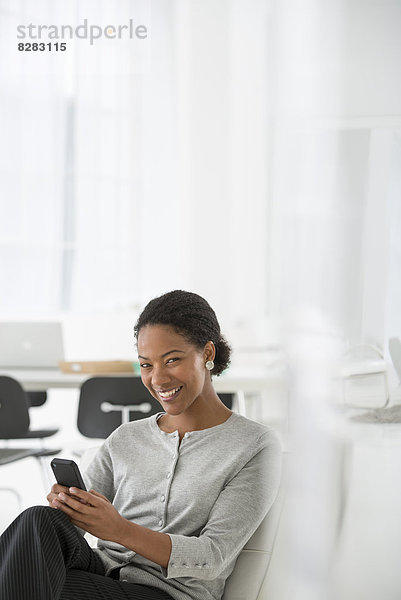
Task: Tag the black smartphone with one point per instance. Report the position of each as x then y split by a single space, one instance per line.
67 473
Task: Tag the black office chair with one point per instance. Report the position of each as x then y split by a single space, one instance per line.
14 413
107 402
227 399
14 425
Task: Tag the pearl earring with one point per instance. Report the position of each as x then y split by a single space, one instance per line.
209 365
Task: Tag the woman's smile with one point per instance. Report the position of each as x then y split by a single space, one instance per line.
168 395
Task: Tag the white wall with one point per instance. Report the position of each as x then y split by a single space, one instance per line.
337 114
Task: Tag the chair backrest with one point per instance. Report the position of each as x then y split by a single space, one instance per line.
108 401
227 399
252 563
37 398
14 411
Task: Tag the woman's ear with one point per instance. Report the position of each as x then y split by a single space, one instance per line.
209 351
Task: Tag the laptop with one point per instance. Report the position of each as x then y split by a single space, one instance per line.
30 345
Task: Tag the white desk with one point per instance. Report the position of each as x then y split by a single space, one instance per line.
39 379
232 381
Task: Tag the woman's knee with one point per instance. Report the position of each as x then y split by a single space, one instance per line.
39 514
34 511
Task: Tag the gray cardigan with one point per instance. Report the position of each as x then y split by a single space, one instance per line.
209 494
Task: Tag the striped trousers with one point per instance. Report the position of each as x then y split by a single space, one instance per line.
43 557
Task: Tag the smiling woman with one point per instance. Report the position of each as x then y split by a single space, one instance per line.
173 498
179 347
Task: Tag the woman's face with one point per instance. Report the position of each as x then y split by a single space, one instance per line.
172 369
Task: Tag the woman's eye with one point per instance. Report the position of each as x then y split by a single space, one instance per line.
170 360
145 365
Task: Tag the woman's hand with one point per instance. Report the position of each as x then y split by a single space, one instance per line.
95 514
90 511
55 491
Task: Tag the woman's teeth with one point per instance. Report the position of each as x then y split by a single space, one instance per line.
170 393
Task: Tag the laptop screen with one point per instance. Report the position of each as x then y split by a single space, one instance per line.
31 344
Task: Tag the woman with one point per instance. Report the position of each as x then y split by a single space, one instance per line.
174 497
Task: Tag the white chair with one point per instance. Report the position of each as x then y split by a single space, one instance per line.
364 377
245 582
394 346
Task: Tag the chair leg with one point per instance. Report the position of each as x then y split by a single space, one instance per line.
44 469
15 493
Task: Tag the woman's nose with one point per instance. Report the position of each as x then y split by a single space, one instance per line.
160 377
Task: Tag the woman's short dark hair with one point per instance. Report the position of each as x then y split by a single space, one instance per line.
191 316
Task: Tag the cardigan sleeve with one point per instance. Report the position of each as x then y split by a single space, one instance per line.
235 516
99 474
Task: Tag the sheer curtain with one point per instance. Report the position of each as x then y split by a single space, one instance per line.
32 112
71 161
131 168
106 171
